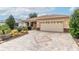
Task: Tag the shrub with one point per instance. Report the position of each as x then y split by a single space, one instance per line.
29 28
25 28
14 33
74 24
4 29
19 29
23 31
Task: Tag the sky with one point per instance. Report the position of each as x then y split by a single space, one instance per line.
23 12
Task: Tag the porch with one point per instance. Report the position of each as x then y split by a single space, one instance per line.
31 25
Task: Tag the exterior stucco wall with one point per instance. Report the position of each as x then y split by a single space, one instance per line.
64 20
66 23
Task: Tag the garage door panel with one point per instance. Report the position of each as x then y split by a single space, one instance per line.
52 27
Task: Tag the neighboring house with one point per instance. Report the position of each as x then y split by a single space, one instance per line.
20 23
54 23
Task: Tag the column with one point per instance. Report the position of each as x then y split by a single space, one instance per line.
29 23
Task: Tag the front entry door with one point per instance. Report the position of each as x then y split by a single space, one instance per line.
33 25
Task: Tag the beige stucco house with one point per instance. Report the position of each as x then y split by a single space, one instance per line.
54 23
20 23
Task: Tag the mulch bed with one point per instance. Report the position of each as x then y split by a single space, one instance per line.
77 41
18 36
12 38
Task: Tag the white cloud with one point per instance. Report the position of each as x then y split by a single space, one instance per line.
20 12
23 12
16 12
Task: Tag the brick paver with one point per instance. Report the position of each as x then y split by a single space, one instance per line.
37 40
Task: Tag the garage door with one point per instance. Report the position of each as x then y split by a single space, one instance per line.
55 27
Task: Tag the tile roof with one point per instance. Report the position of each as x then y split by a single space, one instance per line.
47 17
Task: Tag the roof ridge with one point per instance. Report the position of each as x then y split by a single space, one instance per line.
54 15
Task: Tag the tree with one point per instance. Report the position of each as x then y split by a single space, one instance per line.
74 24
32 15
10 22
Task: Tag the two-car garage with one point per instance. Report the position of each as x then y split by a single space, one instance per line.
54 26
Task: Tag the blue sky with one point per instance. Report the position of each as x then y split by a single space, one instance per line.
23 12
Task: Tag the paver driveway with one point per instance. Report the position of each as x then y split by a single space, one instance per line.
37 40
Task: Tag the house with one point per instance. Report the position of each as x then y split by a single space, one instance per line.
20 23
54 23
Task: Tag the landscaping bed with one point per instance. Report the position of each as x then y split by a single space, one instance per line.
7 34
7 37
77 41
9 30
